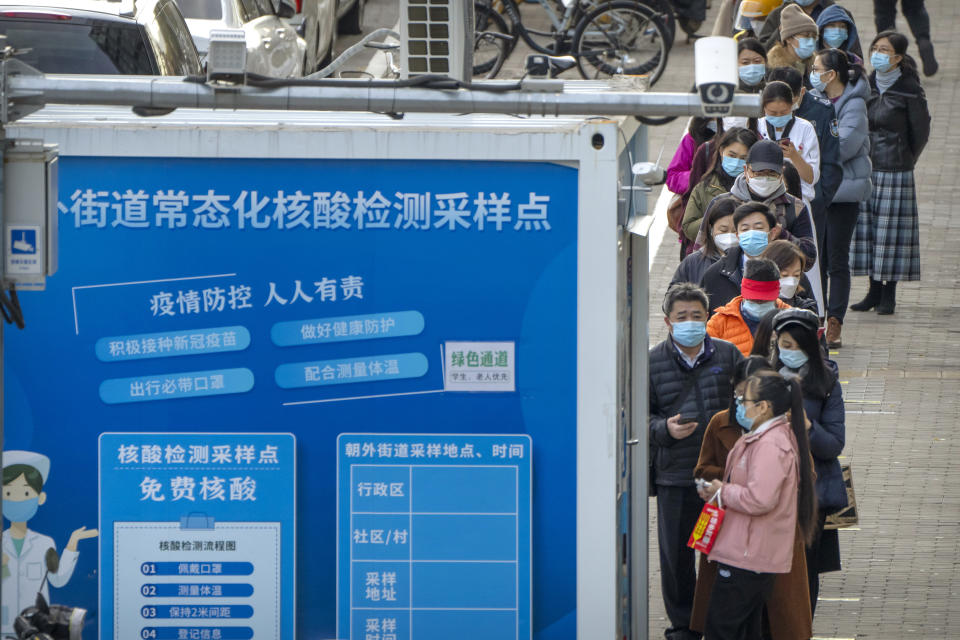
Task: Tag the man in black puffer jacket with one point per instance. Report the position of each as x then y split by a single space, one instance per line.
689 382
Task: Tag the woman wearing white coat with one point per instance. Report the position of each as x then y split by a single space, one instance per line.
796 136
24 551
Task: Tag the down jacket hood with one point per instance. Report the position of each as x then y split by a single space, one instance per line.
836 13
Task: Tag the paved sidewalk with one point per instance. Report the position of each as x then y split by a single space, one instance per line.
901 381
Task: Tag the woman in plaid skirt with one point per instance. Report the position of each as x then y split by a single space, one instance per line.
886 245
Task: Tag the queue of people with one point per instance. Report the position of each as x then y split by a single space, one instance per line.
852 129
778 213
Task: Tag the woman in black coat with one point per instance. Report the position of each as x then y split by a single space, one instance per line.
797 353
886 244
721 235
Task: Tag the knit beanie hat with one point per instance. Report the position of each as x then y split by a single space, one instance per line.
793 20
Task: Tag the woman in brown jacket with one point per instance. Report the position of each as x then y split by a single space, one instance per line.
788 608
798 41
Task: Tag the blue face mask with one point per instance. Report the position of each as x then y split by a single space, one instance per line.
752 74
20 510
804 3
753 242
733 166
805 47
816 82
742 419
757 310
793 358
689 333
880 61
834 36
779 121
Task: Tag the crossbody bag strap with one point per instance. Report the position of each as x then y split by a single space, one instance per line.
689 384
772 132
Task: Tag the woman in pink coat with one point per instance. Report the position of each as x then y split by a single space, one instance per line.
699 130
768 492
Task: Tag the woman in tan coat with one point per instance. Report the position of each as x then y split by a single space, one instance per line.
788 608
798 41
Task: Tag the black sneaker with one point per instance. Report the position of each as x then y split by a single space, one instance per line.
930 65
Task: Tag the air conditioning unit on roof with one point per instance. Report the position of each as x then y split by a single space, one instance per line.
436 37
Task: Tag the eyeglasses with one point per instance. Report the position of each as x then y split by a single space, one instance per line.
739 397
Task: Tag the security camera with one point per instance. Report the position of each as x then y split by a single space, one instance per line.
715 58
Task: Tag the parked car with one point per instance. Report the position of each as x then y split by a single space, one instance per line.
273 46
316 22
148 37
350 16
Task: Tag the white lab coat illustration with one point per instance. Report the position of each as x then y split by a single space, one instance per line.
21 583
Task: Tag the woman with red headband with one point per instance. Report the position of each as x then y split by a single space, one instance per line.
737 321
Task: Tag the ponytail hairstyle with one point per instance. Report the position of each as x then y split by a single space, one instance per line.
837 60
744 369
763 338
899 42
698 130
791 180
786 395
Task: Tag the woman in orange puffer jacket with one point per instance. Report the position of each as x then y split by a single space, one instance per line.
737 321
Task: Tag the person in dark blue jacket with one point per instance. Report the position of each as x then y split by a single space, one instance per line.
797 352
823 117
838 30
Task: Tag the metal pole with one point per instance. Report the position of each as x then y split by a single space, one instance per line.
640 475
28 91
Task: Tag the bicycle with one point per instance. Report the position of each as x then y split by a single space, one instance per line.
493 41
613 37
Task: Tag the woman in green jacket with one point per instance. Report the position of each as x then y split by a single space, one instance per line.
727 163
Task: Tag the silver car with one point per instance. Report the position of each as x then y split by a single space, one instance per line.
273 46
316 21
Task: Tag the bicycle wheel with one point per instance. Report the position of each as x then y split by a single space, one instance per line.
623 37
661 9
492 41
536 28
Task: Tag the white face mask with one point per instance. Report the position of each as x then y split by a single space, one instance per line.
788 287
763 186
725 241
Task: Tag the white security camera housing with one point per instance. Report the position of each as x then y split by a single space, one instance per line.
715 59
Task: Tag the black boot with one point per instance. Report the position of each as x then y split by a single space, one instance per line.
888 299
930 65
872 298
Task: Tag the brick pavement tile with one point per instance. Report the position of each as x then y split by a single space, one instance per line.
904 562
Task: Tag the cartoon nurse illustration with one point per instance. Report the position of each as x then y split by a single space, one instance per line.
24 551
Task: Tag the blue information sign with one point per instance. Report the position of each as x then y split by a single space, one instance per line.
198 527
311 297
433 537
